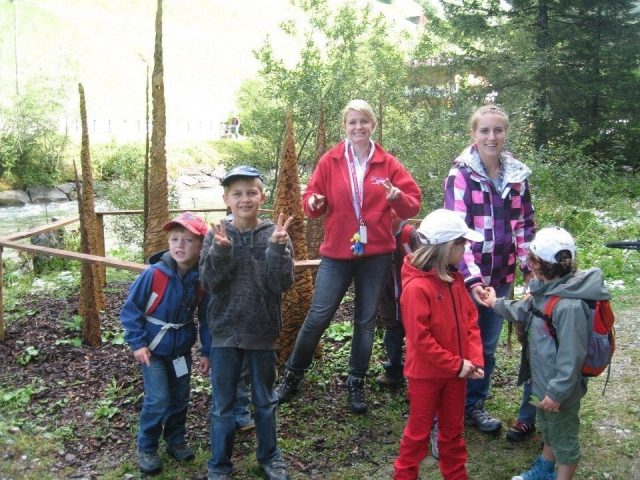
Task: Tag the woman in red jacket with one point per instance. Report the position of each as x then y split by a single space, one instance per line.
443 346
356 185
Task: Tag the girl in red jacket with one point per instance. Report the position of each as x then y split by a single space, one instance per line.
443 346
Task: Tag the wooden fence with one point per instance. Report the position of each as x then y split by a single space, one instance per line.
11 241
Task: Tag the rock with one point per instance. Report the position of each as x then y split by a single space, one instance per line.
67 187
14 198
187 180
46 195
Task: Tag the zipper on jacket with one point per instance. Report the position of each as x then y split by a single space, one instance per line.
455 313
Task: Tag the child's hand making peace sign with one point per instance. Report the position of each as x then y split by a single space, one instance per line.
220 235
280 234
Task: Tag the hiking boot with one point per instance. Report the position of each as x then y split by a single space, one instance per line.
288 386
181 452
541 469
520 431
276 470
149 462
245 423
433 440
357 401
385 379
480 418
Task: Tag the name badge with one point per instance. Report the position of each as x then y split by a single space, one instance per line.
363 234
180 366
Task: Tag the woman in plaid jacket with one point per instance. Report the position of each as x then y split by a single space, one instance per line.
488 187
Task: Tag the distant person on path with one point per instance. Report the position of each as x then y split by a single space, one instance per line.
443 346
159 327
356 184
235 126
246 263
555 366
407 240
489 189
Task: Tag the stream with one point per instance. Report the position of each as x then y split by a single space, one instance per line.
16 219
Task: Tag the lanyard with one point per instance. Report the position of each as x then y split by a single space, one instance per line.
357 187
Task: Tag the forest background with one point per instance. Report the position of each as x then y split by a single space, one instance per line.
567 72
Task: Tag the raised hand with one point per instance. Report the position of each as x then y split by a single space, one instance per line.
220 235
316 201
280 234
392 192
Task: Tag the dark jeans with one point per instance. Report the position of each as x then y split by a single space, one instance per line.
527 412
226 367
332 281
490 324
164 409
393 333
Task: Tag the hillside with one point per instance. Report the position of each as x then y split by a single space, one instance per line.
105 43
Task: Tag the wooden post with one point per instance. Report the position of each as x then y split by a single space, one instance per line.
100 247
1 300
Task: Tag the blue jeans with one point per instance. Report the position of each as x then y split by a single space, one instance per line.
241 409
332 281
490 324
164 409
527 412
226 367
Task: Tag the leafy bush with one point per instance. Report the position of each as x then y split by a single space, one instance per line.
31 148
115 162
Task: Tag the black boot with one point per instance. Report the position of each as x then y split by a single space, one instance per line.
288 386
355 387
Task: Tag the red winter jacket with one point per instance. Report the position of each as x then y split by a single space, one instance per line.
331 179
440 323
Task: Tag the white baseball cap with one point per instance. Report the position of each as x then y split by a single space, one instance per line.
442 226
551 240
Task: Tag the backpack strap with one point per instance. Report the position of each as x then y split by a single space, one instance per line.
159 283
546 316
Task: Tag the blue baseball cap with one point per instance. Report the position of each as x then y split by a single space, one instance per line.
240 171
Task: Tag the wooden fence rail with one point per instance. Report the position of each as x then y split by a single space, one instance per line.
10 241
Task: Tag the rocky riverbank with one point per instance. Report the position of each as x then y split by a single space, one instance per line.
194 177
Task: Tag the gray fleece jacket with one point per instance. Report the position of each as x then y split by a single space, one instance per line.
557 372
246 281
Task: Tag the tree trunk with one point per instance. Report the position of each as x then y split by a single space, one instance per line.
158 213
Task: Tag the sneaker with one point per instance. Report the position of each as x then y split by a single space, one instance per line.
479 417
276 470
389 381
433 440
541 469
181 452
357 401
520 431
149 462
245 423
288 386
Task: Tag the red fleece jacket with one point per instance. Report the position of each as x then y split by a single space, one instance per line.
331 179
440 323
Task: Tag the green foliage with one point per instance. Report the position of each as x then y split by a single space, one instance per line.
28 355
114 161
339 331
15 400
347 54
31 147
570 67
